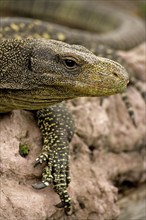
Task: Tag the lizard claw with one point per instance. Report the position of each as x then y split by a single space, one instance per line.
37 163
66 206
60 205
40 185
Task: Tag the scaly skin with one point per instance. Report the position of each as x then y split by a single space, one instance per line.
37 73
113 24
57 127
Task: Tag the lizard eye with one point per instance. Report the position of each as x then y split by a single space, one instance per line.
70 64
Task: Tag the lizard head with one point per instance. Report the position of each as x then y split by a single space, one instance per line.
73 70
38 73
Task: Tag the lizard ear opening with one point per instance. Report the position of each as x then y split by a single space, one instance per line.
29 64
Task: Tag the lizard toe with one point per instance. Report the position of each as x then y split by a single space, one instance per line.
40 185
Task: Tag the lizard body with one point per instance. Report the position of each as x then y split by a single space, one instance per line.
37 73
107 25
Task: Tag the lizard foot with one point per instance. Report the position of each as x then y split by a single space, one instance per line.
56 172
57 127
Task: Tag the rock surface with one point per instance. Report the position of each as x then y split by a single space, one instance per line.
106 154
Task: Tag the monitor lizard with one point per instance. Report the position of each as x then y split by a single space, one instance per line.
38 74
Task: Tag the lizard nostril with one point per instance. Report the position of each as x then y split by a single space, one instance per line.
115 74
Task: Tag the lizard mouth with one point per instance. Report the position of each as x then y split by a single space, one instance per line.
74 89
102 91
43 96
